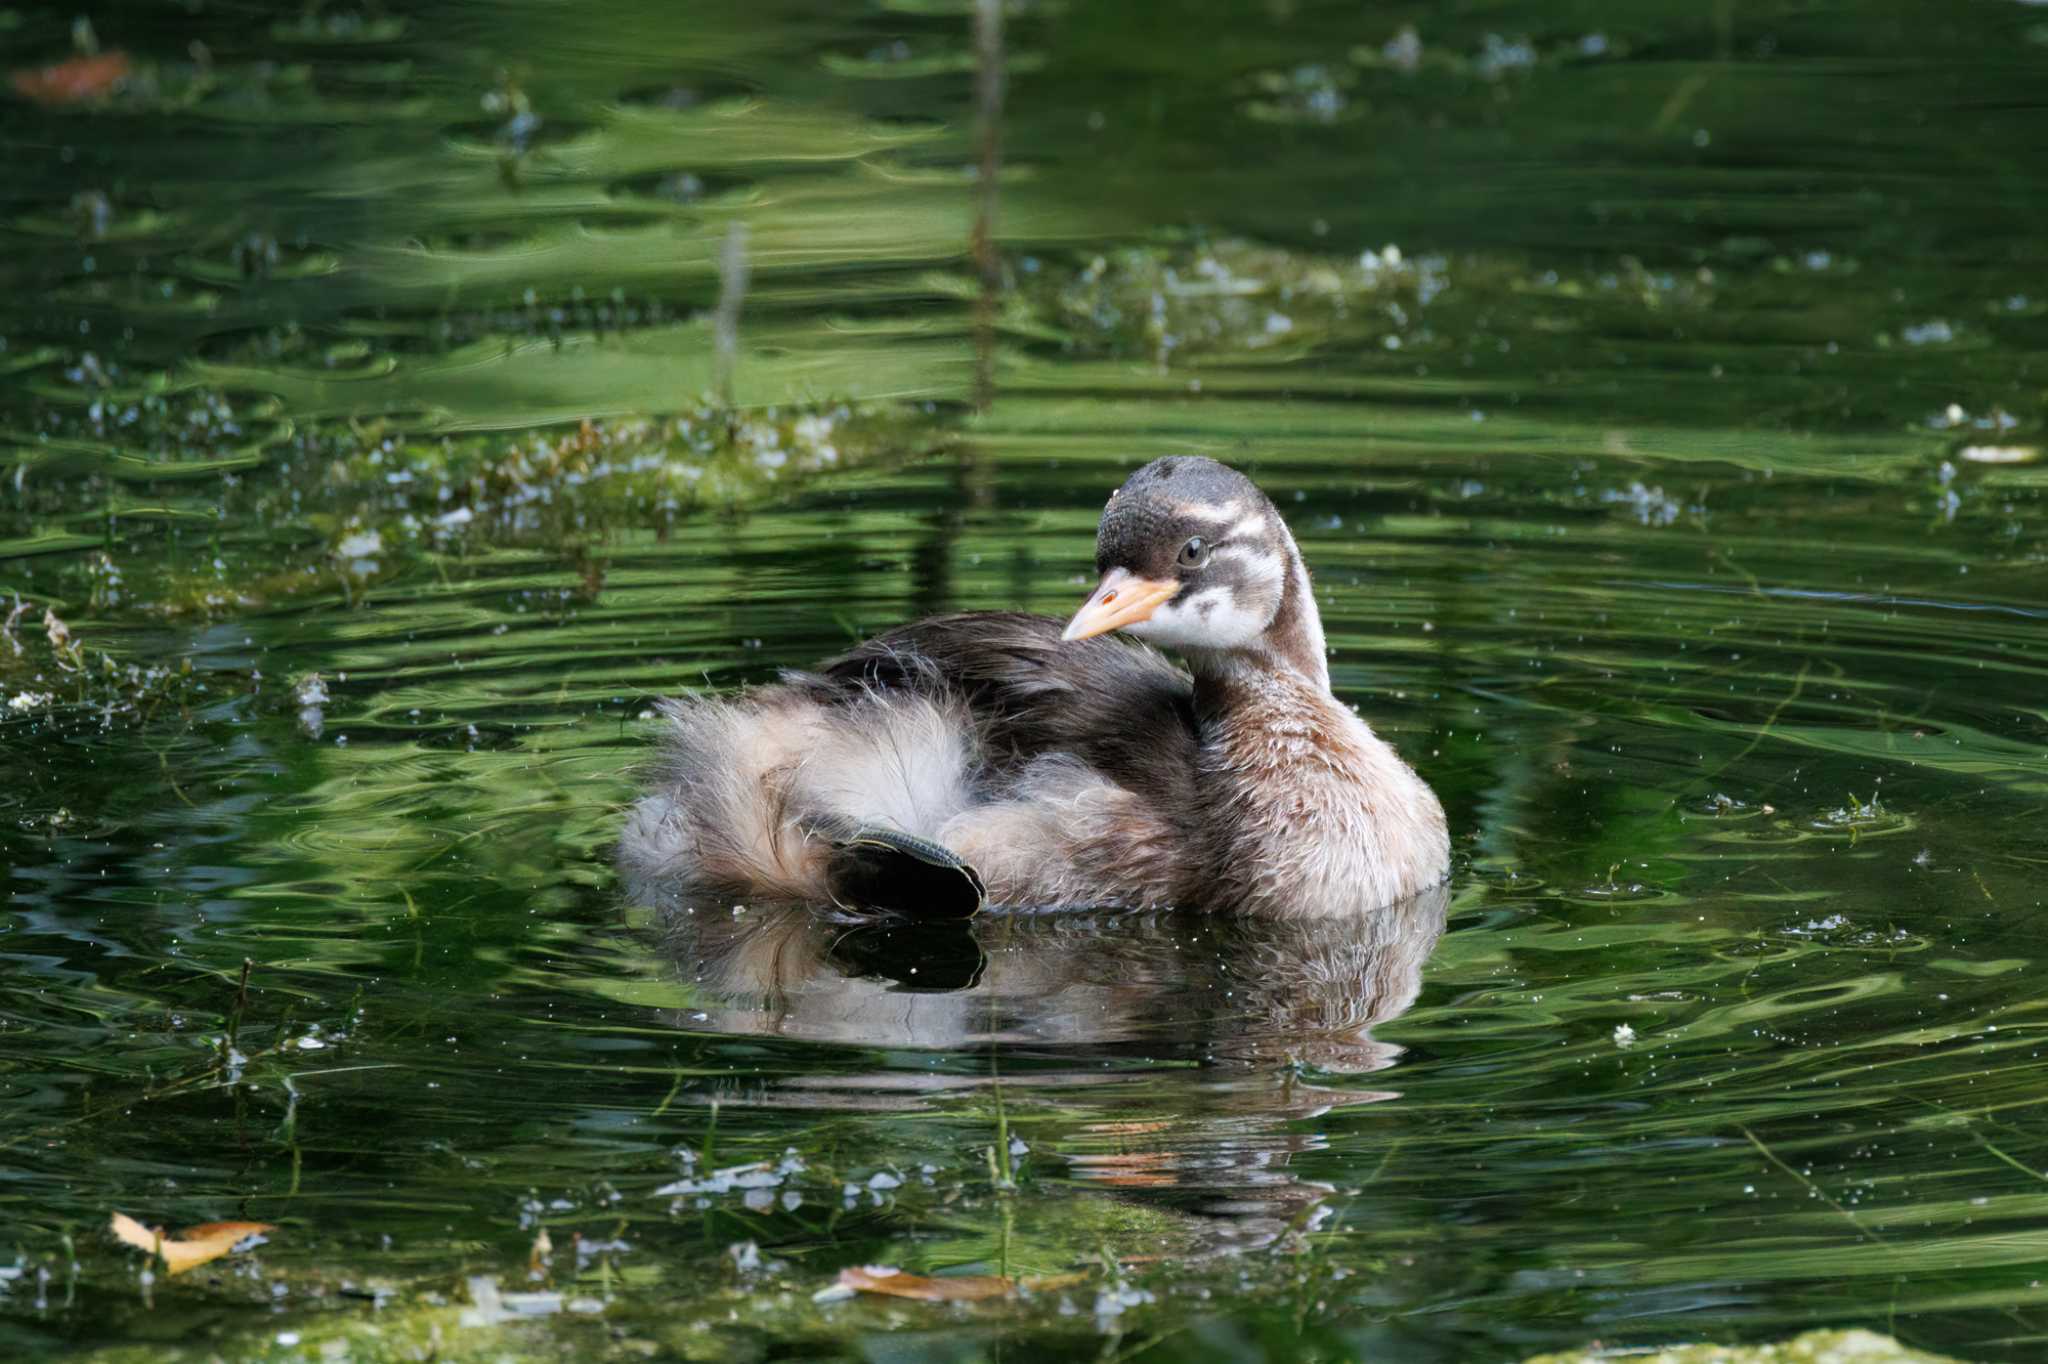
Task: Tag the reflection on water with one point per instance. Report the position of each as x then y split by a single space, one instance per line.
1228 989
1253 1002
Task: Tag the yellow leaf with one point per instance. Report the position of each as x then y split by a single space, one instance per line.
191 1247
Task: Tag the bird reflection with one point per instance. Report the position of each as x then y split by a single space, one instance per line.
1178 1043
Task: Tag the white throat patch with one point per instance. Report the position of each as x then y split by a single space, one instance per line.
1221 615
1213 618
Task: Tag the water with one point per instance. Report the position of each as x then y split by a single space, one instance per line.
1674 489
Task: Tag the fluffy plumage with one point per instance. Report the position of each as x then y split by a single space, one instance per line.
1080 771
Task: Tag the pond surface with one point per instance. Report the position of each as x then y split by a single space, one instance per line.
1657 392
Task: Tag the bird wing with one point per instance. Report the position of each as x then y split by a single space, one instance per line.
1117 706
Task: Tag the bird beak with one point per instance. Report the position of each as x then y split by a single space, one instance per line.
1122 598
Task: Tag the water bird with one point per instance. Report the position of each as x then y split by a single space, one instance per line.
1017 759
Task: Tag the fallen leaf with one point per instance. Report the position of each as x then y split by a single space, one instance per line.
73 82
894 1283
191 1247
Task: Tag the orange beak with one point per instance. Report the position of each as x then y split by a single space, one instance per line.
1122 598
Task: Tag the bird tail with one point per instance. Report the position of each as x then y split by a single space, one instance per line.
750 793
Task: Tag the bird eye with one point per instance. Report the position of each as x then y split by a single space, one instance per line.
1194 553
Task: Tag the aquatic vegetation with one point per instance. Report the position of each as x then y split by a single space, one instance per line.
1496 57
1313 93
350 504
1228 295
1230 298
1815 1347
1858 818
45 668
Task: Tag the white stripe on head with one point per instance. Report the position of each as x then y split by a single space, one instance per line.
1266 569
1202 511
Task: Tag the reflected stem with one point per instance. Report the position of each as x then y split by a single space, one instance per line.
1811 1187
988 100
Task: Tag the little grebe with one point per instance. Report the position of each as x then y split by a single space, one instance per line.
1054 766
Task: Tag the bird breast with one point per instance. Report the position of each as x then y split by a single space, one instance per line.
1318 814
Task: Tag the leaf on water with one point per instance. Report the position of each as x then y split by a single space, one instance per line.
77 81
894 1283
191 1247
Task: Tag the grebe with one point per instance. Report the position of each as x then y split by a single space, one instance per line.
1009 757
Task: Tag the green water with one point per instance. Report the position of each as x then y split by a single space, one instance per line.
1675 491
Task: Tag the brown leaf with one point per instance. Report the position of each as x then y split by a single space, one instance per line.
894 1283
73 82
191 1247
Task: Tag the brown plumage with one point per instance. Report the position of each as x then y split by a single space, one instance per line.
1066 767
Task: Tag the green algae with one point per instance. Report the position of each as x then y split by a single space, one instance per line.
1814 1347
348 505
724 1323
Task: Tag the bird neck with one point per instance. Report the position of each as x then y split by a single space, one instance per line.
1289 652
